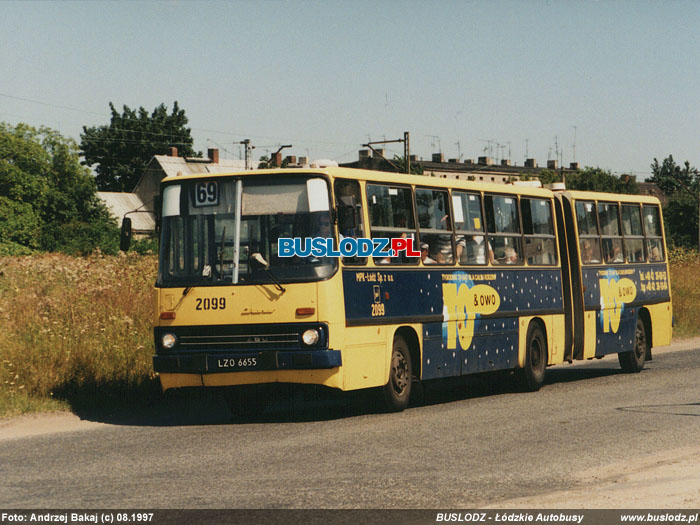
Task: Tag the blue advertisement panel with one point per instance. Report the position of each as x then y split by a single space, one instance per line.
469 317
616 293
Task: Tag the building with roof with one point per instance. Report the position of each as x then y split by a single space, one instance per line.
483 170
138 205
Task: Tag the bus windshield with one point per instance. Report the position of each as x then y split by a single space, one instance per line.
198 239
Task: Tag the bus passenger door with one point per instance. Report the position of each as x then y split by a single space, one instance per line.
564 259
574 270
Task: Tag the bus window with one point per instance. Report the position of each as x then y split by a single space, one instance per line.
435 226
538 227
652 230
348 203
470 243
503 226
632 231
391 215
588 232
608 215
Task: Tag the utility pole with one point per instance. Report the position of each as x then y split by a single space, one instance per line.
269 162
248 150
406 151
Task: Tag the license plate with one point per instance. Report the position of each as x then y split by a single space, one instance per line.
234 364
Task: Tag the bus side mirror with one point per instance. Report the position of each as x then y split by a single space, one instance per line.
125 238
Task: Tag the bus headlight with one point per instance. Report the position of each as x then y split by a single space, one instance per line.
310 337
168 341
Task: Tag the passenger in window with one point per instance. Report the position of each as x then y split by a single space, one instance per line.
655 255
587 252
511 256
424 250
616 256
472 250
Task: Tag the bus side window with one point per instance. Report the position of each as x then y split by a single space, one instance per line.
633 234
391 216
589 241
609 218
435 226
470 241
538 227
653 234
348 205
503 225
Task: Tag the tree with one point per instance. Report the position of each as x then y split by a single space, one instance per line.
591 179
681 185
47 199
120 151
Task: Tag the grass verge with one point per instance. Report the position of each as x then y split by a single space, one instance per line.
75 332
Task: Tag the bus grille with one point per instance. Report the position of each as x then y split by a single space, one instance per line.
279 341
241 338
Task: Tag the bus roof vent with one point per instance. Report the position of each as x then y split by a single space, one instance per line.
324 163
556 186
527 183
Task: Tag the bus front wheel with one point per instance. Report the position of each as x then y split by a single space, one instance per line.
532 375
633 361
397 391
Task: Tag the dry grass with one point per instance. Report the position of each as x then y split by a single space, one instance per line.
71 327
76 332
685 290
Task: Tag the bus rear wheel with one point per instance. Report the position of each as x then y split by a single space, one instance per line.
532 375
397 391
633 362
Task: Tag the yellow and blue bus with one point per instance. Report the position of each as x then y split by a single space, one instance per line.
509 277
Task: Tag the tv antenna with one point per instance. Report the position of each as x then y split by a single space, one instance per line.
489 146
436 139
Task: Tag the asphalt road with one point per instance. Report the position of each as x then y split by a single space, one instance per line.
468 444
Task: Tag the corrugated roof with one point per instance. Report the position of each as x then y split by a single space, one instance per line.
121 203
172 165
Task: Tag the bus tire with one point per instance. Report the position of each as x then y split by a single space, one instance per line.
397 391
633 362
246 401
532 375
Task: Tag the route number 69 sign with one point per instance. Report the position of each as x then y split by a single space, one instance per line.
206 194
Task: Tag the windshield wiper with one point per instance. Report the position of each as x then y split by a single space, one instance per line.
260 260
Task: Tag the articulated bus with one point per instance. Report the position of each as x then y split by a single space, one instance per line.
500 277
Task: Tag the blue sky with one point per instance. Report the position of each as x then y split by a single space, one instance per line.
329 76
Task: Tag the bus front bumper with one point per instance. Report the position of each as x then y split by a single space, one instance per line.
246 362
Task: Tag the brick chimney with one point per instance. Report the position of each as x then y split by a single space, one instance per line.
291 159
172 151
213 154
276 159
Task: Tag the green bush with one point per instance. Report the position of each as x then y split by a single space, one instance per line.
82 238
11 249
145 246
18 223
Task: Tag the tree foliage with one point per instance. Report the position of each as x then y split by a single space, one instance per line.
672 178
46 197
119 151
591 179
681 186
